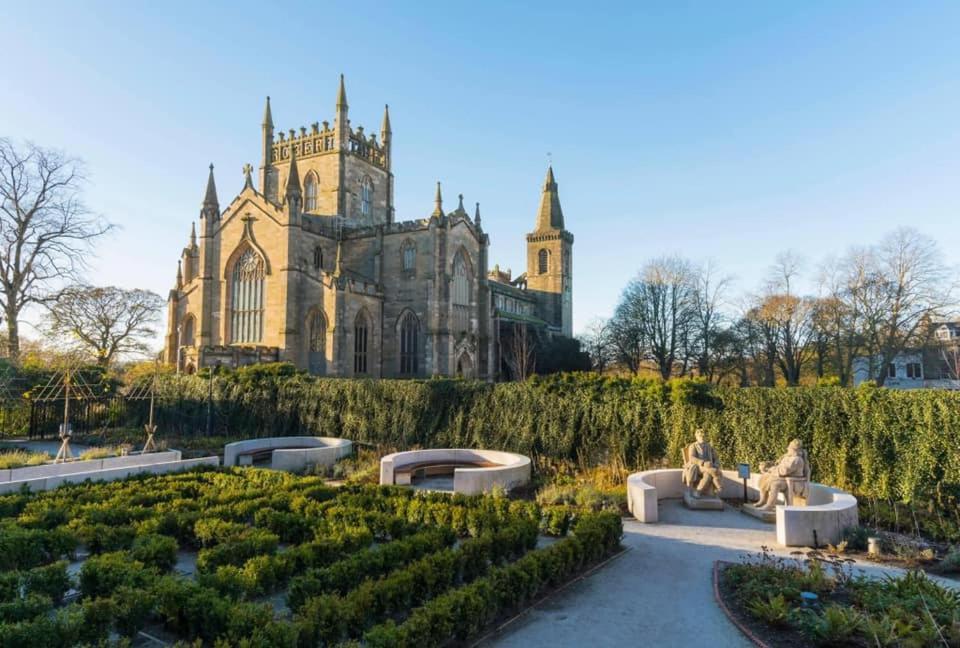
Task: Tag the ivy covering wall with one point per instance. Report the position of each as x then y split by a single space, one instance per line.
877 442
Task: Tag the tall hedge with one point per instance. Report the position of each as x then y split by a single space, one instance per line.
878 442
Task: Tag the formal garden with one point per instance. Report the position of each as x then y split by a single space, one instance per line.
263 558
254 557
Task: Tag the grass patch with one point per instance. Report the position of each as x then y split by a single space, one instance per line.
20 458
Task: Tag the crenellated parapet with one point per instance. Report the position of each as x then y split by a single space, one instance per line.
321 139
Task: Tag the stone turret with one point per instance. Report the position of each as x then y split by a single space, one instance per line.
342 123
210 210
294 195
437 203
267 149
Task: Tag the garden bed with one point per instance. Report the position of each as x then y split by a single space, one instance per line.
766 597
282 560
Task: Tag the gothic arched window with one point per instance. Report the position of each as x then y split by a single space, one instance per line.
310 193
460 293
186 331
366 196
409 254
317 258
360 337
543 261
409 335
246 306
318 332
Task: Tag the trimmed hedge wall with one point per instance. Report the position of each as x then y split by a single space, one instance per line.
877 442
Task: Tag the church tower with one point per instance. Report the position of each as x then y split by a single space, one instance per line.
550 261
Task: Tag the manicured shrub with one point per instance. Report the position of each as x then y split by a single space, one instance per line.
101 575
157 551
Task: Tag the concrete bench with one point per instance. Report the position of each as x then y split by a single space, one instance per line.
287 453
404 475
474 471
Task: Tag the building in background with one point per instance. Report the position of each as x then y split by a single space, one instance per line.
313 268
934 366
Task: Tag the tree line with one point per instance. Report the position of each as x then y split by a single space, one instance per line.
679 318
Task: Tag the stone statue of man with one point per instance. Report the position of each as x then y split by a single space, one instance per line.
773 481
701 471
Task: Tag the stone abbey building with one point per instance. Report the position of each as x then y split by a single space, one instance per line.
310 265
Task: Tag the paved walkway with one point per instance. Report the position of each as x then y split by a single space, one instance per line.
659 591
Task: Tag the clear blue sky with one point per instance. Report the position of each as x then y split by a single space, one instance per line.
728 131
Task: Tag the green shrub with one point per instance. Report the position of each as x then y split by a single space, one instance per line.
101 575
157 551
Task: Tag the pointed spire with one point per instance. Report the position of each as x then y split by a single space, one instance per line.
438 203
179 273
267 116
210 197
342 95
247 176
193 235
385 131
476 215
293 180
550 215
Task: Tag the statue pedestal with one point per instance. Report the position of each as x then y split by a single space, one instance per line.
702 503
765 515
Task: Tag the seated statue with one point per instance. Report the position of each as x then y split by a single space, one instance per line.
701 468
792 469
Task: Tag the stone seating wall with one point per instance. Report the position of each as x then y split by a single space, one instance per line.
511 470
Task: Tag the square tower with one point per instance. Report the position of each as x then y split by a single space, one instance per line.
550 261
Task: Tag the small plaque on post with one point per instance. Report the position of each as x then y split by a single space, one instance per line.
743 470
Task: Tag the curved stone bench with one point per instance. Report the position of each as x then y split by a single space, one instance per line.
504 469
828 511
290 453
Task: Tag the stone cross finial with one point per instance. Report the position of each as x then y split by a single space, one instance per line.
247 175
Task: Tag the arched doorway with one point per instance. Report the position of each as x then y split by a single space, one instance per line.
465 365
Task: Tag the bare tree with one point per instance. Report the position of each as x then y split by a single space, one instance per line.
45 229
895 288
521 352
105 322
656 311
707 294
789 316
598 341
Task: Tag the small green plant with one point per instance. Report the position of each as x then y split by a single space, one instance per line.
836 625
774 611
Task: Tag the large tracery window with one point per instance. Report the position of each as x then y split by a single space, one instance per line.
360 338
310 193
247 299
366 196
409 334
460 293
